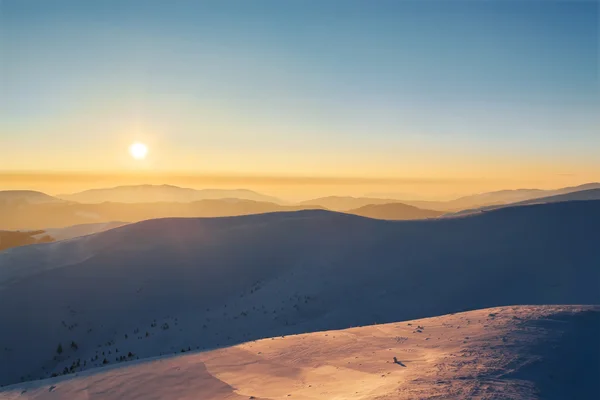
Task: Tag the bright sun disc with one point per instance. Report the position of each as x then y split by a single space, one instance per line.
138 151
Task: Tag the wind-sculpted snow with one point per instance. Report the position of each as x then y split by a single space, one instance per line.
167 285
524 352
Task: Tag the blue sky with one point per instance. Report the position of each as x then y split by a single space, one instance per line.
303 86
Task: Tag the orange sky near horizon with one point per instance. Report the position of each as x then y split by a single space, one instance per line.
291 187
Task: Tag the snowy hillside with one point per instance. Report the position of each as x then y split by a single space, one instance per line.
499 198
74 231
499 353
167 285
583 195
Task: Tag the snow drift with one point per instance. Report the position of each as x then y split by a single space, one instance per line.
507 352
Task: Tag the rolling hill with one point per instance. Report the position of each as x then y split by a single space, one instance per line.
163 193
61 215
161 286
344 203
74 231
590 194
394 211
499 353
10 239
502 197
10 197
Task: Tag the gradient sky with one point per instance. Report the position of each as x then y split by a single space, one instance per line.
433 97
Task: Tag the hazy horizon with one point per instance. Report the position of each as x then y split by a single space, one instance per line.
290 188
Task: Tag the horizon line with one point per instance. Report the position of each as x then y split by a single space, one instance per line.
232 177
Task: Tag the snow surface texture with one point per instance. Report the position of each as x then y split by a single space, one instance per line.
160 286
527 352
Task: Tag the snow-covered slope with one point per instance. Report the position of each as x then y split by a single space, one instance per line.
74 231
582 195
526 352
498 198
162 285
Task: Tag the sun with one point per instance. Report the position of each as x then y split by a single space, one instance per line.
138 150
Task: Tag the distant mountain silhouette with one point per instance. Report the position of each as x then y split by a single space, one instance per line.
344 203
162 193
74 231
497 198
347 203
26 196
394 211
60 215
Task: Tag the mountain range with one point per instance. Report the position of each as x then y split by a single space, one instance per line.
589 194
163 193
394 211
12 197
498 198
61 215
30 210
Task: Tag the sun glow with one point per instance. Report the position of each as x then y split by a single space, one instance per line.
138 150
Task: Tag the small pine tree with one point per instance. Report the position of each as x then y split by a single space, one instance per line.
59 349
